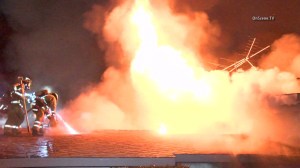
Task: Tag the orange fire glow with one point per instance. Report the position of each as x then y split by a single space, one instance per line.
156 81
163 129
170 78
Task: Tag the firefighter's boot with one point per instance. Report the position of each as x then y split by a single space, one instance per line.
11 130
37 129
7 130
16 131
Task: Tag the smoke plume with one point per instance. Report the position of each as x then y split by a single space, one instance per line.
285 54
121 43
156 77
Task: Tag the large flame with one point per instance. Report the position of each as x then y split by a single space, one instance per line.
156 79
176 89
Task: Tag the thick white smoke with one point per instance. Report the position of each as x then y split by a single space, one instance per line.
285 55
244 102
120 43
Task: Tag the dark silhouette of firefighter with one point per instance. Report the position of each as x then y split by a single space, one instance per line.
44 106
15 106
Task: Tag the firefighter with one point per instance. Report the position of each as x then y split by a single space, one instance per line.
15 107
44 106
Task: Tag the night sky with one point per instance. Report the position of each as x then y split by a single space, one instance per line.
46 39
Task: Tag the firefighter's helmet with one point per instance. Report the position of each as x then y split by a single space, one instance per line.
41 93
26 81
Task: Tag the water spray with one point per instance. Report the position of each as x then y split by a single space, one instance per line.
69 128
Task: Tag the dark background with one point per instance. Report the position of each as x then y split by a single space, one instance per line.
46 40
